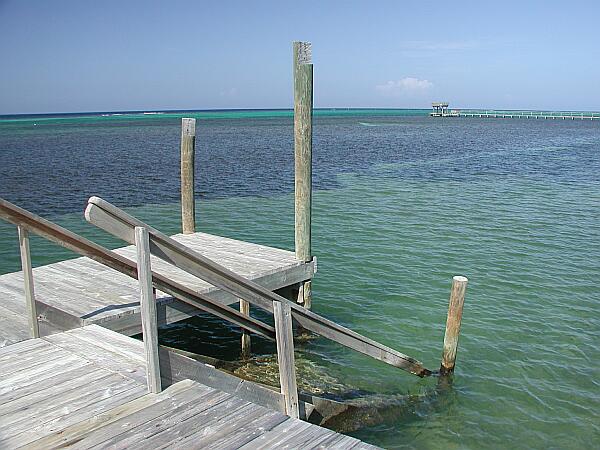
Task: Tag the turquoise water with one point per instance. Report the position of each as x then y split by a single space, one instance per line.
402 203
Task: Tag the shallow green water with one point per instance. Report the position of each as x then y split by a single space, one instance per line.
512 206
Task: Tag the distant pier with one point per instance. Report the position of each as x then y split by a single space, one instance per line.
440 109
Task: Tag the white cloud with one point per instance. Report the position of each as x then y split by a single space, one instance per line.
405 87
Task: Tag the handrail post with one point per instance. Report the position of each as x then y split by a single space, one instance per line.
245 309
285 357
34 327
148 309
188 150
303 112
455 309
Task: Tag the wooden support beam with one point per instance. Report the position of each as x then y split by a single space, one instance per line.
245 309
188 150
285 357
148 310
34 328
455 309
303 110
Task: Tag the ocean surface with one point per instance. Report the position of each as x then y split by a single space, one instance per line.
402 203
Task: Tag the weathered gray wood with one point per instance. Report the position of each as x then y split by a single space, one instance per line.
178 367
455 309
285 357
148 306
166 429
303 109
188 150
245 309
66 403
34 329
303 104
116 221
95 405
72 241
124 417
278 435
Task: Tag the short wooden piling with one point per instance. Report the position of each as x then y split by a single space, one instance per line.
285 357
188 150
455 309
245 309
148 309
34 328
303 106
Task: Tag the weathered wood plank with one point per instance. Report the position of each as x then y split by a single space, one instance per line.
278 435
44 382
239 426
285 357
91 410
148 307
70 401
101 356
140 435
77 431
48 396
30 307
230 410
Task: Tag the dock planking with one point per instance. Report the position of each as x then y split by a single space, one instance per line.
82 291
86 388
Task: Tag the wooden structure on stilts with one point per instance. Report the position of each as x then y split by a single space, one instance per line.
66 324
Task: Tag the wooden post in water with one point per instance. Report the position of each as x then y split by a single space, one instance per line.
148 309
285 357
34 328
245 309
303 106
188 150
455 309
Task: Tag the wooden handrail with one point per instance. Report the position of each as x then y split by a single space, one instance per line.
72 241
117 222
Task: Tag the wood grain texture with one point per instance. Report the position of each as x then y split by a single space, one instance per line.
455 310
188 150
32 319
303 106
148 309
285 357
81 394
245 309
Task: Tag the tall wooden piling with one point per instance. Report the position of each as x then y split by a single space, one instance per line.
188 150
34 328
303 106
455 309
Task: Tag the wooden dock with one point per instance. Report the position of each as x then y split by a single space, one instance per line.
87 388
82 291
547 115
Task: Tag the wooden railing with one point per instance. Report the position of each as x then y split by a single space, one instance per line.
150 241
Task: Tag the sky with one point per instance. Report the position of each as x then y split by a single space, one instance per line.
75 56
